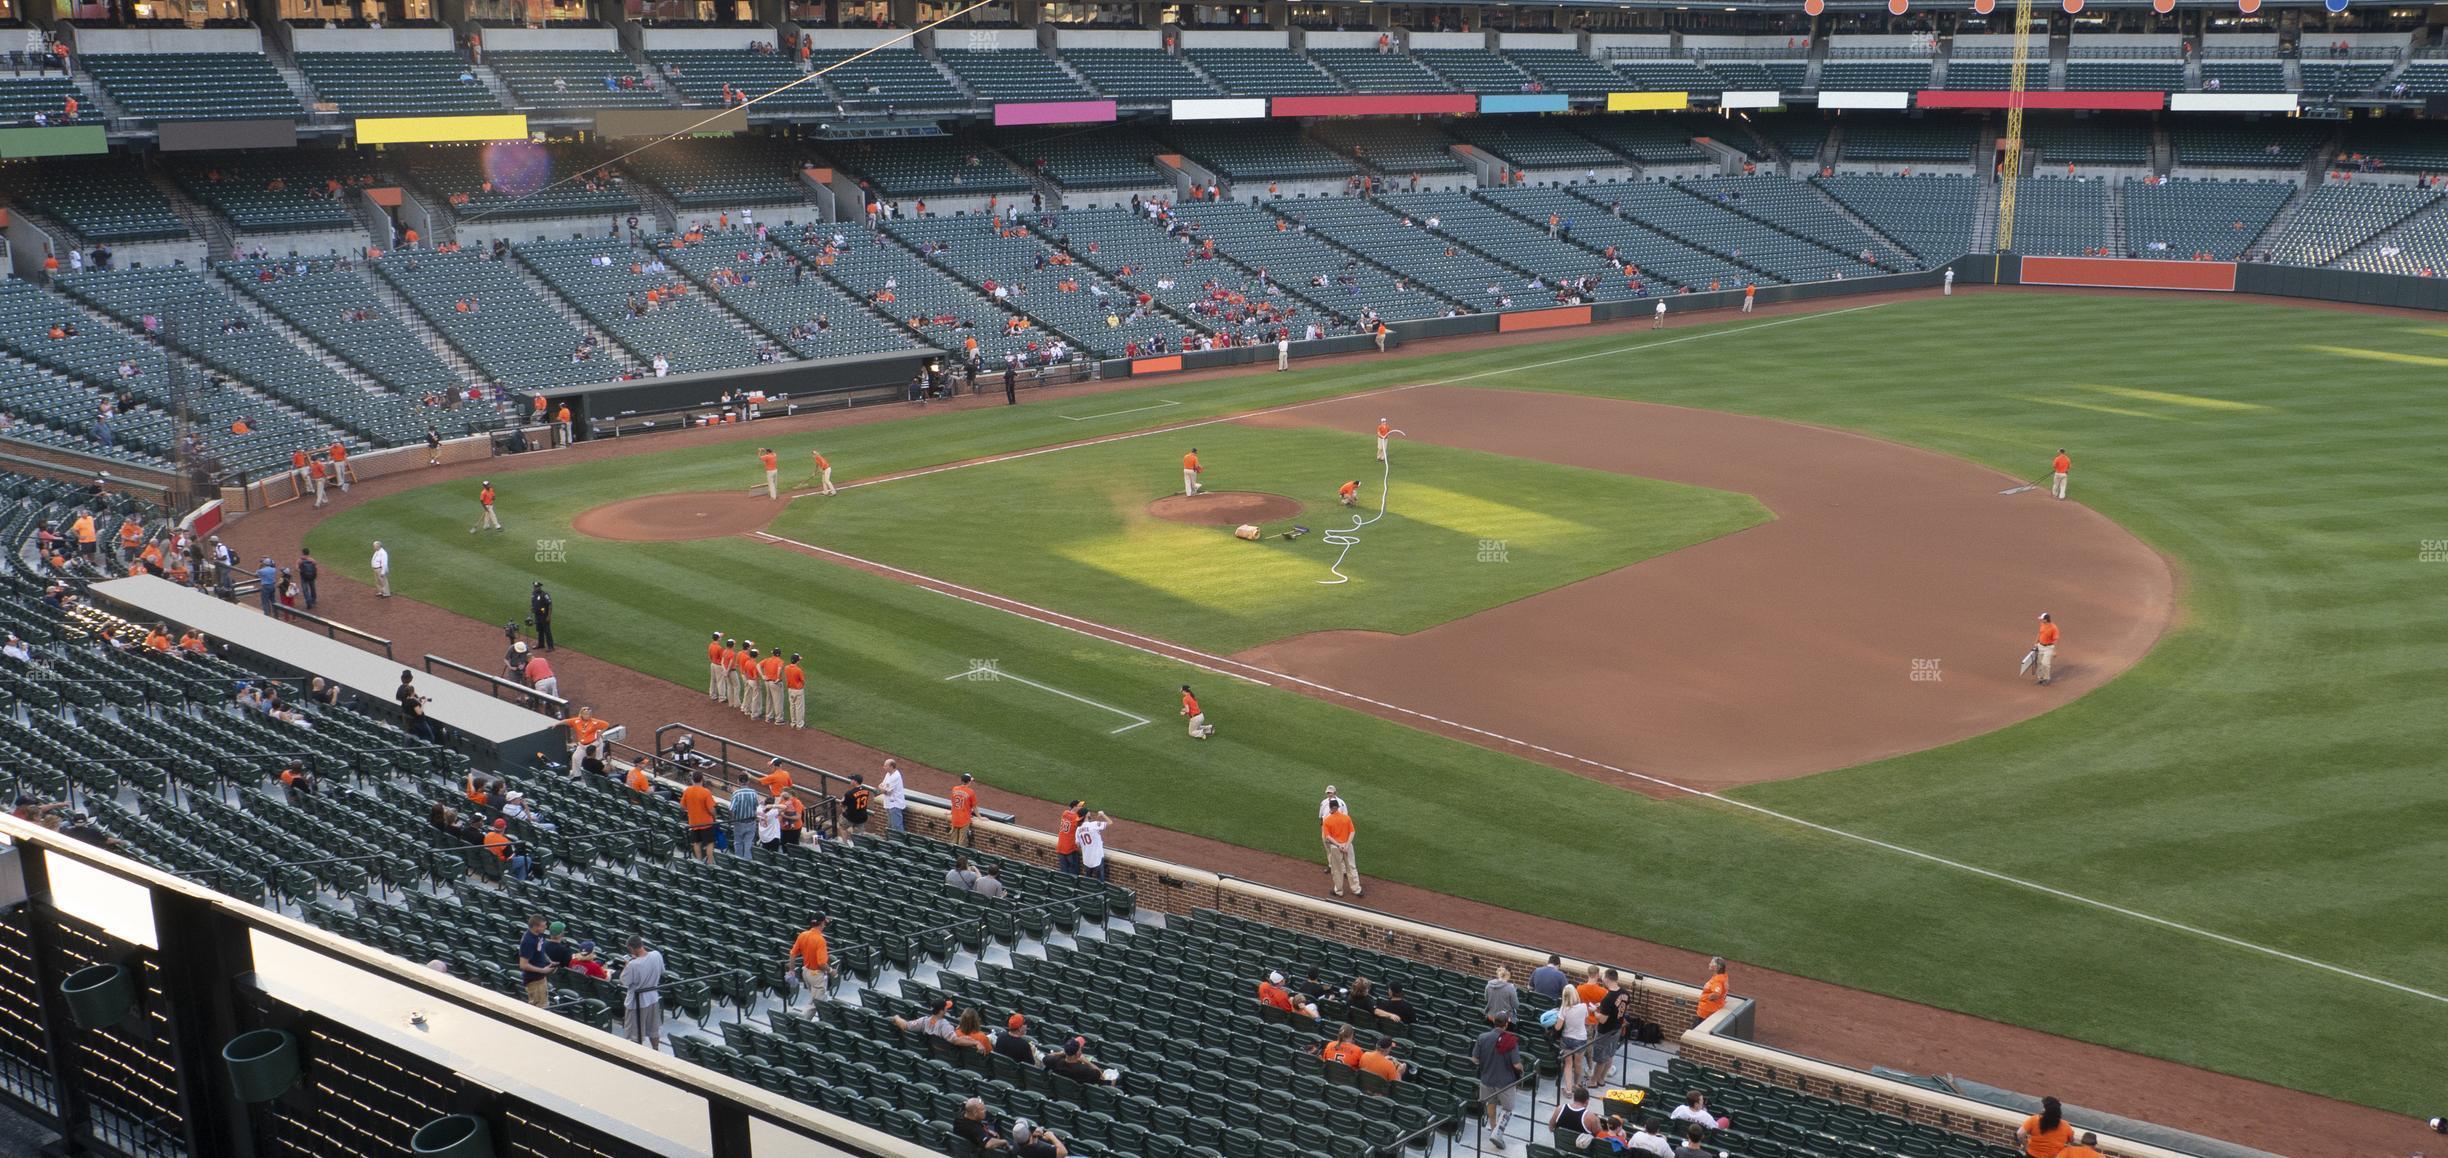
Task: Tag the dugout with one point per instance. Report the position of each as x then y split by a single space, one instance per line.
603 408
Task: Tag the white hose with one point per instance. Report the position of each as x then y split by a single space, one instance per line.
1349 537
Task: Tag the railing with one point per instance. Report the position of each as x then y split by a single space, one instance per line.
495 684
334 629
834 783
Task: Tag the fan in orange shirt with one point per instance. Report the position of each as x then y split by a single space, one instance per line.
1272 992
964 810
1712 994
812 958
1190 473
697 801
2045 1134
777 780
1345 1048
639 780
1380 1061
2089 1148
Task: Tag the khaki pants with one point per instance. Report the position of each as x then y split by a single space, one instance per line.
739 690
1746 303
340 475
382 581
1198 727
752 697
773 700
814 979
798 707
319 487
1189 482
714 681
773 488
2057 484
490 519
1342 868
824 479
963 834
537 993
1381 448
1283 359
2048 655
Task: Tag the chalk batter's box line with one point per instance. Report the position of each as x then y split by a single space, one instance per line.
983 673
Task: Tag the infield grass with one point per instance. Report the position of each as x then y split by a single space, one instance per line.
2271 772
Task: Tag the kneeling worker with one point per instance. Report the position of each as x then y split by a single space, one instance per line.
1350 494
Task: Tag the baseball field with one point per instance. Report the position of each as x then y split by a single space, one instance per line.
1708 637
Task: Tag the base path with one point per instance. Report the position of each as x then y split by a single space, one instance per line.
1882 611
1224 508
684 515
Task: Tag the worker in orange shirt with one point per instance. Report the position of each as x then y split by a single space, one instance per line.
2044 646
1340 866
1349 494
1200 729
586 736
486 519
752 683
773 472
339 466
1713 993
812 959
794 690
697 801
1383 429
319 477
1750 294
1190 473
2058 469
964 811
772 671
561 418
737 688
716 676
824 473
297 458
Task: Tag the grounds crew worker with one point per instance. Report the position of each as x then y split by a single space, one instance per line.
773 472
2044 651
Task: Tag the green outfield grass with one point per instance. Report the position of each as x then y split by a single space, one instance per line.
1071 531
2270 773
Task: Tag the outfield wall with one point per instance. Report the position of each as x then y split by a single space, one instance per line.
2286 281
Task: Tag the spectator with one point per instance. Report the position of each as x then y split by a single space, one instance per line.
1651 1139
1712 994
585 961
1014 1041
2044 1134
516 807
1611 1017
642 1003
855 802
744 805
896 797
1572 1026
973 1128
2089 1146
1574 1118
812 958
1503 1000
937 1022
1397 1006
769 826
1548 980
1695 1144
1695 1112
1035 1142
1066 838
697 801
1091 837
1359 997
1074 1063
971 1033
1344 1049
1380 1061
1272 992
960 875
534 962
1497 1054
34 811
989 883
511 854
412 707
964 810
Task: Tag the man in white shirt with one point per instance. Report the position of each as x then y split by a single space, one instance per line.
17 649
1283 353
1649 1139
382 570
896 797
1091 838
1660 322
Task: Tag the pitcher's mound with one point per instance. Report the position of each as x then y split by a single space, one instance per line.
1224 508
687 515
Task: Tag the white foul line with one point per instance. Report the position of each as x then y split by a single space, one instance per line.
1193 425
983 672
1117 413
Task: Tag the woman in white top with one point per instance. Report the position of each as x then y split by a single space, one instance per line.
1572 1021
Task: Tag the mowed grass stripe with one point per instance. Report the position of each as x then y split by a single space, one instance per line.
2125 795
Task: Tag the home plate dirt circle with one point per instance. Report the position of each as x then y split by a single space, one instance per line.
1224 508
685 515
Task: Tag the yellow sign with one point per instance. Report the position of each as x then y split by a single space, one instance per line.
409 130
1633 102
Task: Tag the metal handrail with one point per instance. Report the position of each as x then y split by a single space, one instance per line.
334 629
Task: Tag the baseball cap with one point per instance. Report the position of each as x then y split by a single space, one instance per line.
1274 978
1075 1045
557 927
1017 1021
818 919
499 823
